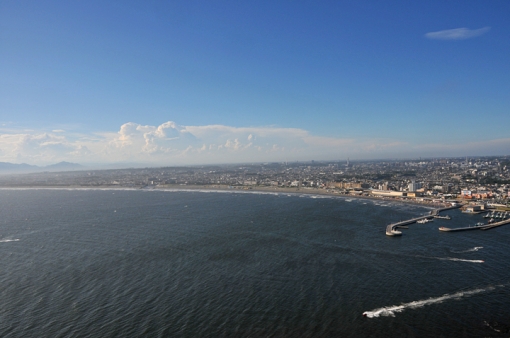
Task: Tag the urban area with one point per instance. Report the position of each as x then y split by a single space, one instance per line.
481 179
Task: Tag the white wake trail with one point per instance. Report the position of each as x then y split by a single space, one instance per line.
391 310
5 240
461 260
476 248
454 259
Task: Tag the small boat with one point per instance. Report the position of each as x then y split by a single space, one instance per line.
479 224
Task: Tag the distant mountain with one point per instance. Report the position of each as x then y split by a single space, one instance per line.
63 166
23 168
7 168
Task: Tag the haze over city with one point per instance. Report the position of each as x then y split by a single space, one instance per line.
198 82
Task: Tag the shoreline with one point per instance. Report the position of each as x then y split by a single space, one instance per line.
225 188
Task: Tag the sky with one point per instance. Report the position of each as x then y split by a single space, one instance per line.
197 82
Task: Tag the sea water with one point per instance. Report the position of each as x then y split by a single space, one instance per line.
114 263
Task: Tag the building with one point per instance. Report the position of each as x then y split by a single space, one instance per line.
386 193
413 186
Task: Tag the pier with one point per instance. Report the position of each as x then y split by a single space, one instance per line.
474 227
496 224
391 230
477 227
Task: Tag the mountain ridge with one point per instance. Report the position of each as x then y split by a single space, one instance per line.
24 168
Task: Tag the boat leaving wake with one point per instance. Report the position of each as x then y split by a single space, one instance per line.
460 260
5 240
454 259
391 310
476 248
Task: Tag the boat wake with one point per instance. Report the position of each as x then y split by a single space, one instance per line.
476 248
391 310
454 259
461 260
5 240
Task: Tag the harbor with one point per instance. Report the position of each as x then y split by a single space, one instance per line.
391 229
496 219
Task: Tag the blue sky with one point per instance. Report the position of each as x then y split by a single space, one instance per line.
229 81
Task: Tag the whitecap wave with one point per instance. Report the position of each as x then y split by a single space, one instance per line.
476 248
391 310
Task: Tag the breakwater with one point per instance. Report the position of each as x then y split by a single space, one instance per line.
391 229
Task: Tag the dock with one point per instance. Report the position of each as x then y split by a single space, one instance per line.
474 227
496 224
477 227
391 230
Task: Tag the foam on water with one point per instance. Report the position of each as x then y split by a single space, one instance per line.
5 240
462 260
454 259
476 248
391 310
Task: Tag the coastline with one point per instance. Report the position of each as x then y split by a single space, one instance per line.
225 188
297 191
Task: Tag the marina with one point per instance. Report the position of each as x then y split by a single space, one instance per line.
391 229
496 219
497 215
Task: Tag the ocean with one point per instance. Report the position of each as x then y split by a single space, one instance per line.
149 263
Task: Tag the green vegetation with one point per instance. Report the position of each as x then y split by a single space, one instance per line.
493 180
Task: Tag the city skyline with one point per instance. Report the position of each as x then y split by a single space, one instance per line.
198 82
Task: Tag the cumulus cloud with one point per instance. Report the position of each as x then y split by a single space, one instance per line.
457 34
173 144
36 147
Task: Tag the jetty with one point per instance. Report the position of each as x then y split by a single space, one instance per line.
474 227
496 224
477 227
391 230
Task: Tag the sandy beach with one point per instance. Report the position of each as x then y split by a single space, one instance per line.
242 189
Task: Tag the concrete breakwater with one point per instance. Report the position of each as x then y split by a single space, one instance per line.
391 229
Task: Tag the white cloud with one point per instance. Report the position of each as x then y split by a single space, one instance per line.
457 33
37 147
173 144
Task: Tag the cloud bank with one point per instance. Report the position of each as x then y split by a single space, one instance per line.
173 144
457 34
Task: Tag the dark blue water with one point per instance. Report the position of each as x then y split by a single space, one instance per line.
78 263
